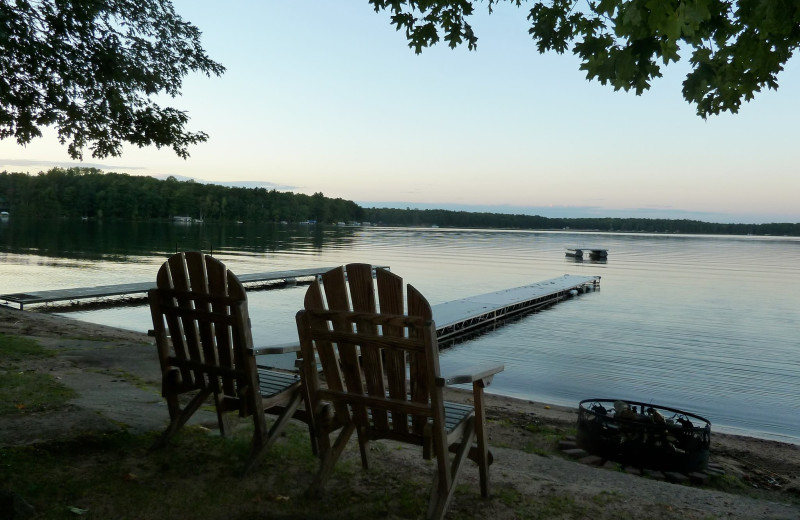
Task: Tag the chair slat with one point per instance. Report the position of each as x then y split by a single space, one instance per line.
216 337
338 299
182 274
376 340
390 296
362 296
380 403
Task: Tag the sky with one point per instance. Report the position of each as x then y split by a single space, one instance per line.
327 97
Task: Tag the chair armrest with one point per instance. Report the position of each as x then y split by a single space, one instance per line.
482 373
283 348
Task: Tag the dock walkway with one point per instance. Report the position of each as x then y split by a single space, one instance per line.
458 318
105 291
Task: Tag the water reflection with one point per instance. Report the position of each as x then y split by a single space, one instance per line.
117 241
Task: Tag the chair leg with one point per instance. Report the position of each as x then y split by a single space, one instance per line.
439 501
223 419
329 458
480 432
179 417
261 445
363 446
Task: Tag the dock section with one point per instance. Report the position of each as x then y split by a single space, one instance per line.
460 318
595 253
106 291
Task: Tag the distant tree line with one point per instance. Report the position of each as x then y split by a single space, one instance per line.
446 218
90 193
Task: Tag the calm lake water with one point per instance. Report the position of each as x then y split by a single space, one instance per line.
707 324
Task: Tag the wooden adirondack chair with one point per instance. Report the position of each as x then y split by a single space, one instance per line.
205 347
381 375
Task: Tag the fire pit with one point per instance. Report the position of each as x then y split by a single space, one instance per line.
644 435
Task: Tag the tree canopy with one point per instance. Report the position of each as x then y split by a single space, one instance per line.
90 68
735 48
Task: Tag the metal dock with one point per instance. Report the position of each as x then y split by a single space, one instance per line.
105 291
463 317
454 320
595 253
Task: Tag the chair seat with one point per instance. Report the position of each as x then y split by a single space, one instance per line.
455 414
273 382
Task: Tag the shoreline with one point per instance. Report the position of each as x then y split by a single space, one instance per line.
45 325
72 324
116 376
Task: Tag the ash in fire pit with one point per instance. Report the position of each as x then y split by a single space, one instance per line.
644 435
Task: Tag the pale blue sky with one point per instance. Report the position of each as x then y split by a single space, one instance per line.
326 96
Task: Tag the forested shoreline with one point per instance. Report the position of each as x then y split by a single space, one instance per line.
92 194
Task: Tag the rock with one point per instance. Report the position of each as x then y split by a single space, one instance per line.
567 445
575 453
675 477
592 460
698 477
654 474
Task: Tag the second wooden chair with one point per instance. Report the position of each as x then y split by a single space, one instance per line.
380 361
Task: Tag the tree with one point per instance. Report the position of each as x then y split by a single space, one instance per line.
736 47
90 68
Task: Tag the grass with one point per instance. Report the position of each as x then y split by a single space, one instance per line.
24 390
546 506
198 476
14 349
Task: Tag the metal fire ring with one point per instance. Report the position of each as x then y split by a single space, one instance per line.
644 435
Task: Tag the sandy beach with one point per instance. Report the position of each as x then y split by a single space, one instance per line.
115 374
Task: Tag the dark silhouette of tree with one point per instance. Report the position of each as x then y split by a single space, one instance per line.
90 68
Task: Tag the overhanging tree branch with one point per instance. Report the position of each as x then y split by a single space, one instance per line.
736 48
90 67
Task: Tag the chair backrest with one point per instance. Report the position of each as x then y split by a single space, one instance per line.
379 357
201 325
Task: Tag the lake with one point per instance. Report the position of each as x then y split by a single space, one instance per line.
706 324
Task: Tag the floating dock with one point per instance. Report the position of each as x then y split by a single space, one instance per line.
463 317
106 291
595 253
